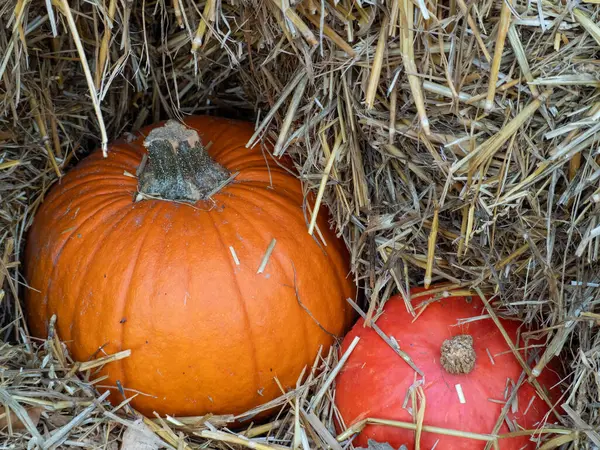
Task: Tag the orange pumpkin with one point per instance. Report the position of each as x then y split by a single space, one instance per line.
176 279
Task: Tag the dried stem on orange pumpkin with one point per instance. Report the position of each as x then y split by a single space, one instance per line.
179 167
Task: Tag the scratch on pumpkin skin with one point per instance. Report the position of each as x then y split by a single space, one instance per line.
295 287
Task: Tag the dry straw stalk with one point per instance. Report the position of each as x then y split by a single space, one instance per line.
452 142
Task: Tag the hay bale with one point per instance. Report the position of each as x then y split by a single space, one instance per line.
452 142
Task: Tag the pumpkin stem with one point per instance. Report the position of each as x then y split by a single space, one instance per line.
458 355
178 166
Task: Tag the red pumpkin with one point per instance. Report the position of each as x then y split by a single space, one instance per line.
375 380
177 281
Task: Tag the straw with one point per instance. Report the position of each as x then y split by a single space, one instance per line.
503 27
383 112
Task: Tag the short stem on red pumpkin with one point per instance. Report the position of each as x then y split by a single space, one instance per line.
458 355
179 167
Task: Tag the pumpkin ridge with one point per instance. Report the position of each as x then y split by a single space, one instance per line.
68 205
47 210
231 152
251 223
120 147
278 256
252 155
99 184
125 149
125 310
274 199
283 205
234 158
77 227
110 168
46 297
271 198
100 163
337 251
338 281
57 202
270 163
241 301
201 133
74 336
116 161
232 142
120 192
278 189
268 198
221 153
271 180
258 167
90 257
306 317
291 276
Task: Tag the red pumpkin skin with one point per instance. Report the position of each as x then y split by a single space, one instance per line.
375 380
158 278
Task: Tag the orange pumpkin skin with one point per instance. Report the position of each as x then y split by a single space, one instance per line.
375 380
159 278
